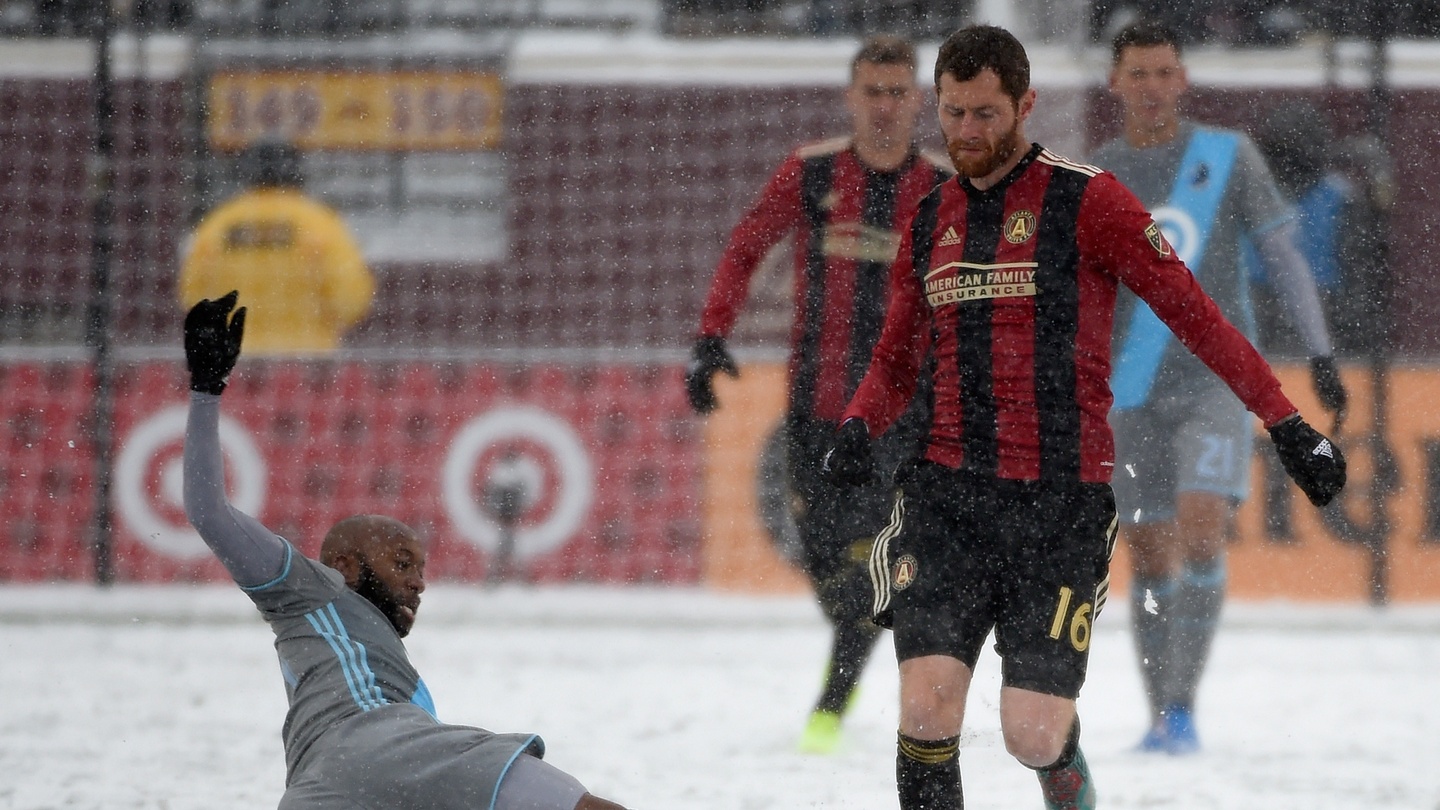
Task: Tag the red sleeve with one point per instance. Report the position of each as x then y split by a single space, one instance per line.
775 214
1114 227
895 365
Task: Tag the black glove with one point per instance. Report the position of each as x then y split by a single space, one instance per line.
212 342
1326 379
849 461
708 357
1313 461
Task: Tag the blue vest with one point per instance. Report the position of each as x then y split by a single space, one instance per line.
1187 220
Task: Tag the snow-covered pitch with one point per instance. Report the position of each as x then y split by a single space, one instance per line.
164 697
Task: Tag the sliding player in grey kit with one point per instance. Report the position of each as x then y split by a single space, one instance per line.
361 731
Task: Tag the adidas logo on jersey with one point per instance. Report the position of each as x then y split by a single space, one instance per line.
1324 449
950 237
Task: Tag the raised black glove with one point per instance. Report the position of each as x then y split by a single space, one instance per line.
708 357
212 342
849 461
1326 379
1313 461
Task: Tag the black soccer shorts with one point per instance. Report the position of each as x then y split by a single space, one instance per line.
966 554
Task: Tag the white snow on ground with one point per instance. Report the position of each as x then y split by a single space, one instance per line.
166 697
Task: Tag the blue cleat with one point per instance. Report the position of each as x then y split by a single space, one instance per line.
1173 733
1180 736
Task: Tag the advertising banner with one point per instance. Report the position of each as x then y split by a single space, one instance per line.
357 110
1382 536
538 473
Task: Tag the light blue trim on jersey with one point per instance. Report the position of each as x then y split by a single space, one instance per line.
284 572
423 699
1199 189
511 761
351 655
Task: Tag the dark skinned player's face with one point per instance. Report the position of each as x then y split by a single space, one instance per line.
392 577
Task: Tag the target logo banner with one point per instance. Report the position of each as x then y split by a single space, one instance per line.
519 470
149 481
564 472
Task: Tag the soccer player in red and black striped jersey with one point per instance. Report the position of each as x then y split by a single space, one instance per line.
1006 280
846 200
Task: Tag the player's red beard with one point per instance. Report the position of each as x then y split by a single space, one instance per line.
995 155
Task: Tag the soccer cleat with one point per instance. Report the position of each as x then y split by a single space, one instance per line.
1068 788
821 735
1180 736
1173 733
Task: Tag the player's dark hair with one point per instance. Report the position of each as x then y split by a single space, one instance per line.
884 49
975 48
273 163
1143 34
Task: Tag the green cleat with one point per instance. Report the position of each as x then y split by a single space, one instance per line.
1070 787
821 735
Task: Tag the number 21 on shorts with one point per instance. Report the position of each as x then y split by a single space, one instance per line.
1079 620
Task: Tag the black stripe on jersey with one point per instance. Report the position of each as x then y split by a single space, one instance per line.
815 180
975 342
868 311
1057 312
915 423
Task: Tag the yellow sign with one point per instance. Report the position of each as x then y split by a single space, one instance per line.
401 111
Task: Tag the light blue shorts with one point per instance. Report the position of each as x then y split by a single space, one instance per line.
1200 443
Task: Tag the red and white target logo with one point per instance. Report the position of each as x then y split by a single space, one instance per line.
524 466
149 483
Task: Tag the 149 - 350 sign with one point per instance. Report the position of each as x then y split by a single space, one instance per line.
402 111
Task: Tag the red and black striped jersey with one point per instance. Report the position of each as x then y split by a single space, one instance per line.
1013 291
847 219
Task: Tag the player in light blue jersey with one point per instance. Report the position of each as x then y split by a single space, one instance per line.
361 730
1182 440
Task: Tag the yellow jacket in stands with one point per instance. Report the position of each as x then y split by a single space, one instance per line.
299 272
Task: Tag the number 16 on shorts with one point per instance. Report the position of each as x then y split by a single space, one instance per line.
1074 620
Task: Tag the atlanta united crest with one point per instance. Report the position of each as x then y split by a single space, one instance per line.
1019 227
1157 239
904 572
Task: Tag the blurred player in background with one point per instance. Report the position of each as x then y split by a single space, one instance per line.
1183 442
361 730
1007 279
1341 188
846 200
291 257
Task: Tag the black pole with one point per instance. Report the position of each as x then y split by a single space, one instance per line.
1385 472
1373 534
98 309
